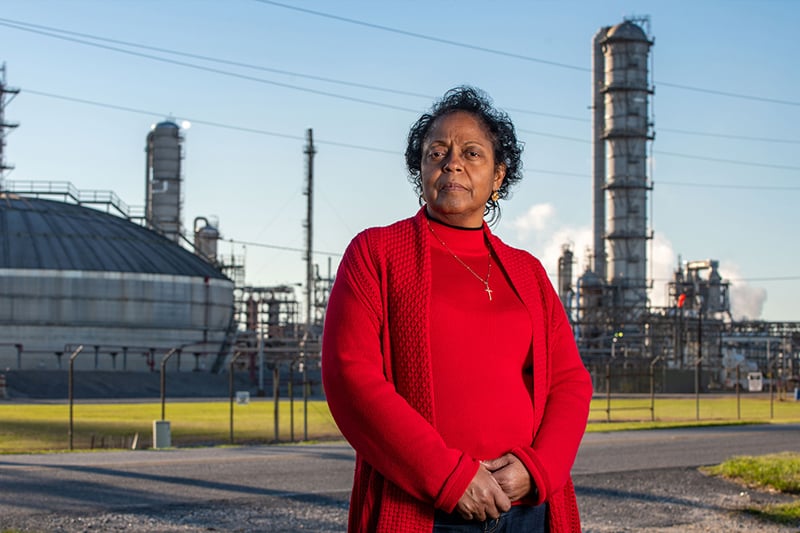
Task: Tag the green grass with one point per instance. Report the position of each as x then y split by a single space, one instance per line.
31 428
785 513
26 428
779 472
712 409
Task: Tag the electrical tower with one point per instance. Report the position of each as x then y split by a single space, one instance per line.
6 95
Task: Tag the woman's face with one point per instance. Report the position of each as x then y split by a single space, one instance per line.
458 169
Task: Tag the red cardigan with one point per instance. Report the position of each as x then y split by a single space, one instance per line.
376 371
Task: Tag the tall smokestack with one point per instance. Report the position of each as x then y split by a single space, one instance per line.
626 131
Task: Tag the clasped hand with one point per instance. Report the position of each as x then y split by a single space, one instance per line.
496 484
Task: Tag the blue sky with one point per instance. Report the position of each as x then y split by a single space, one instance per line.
726 111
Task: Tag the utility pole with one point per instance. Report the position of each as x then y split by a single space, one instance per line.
4 90
309 151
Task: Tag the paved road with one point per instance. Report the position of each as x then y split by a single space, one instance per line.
86 483
690 447
94 481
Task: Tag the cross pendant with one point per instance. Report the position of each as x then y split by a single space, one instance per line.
488 291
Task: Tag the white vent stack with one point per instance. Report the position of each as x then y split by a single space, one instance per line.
163 198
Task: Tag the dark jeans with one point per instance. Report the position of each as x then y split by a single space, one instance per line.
520 519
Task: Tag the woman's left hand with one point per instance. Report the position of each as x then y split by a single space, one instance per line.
511 474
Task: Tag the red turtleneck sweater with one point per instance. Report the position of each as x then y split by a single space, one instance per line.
479 348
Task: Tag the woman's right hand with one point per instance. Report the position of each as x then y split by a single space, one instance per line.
483 499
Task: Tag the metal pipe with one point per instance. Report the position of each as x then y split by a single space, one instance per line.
770 375
305 400
169 354
738 393
70 394
309 151
653 389
608 392
230 389
260 334
276 388
291 401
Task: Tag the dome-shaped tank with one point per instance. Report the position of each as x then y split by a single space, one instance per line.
626 31
71 275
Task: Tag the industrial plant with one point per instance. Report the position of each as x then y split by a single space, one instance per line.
693 341
83 271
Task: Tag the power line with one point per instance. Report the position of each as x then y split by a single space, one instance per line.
730 186
730 161
776 278
427 37
279 247
673 154
517 56
397 152
218 71
674 183
728 94
43 30
264 132
208 123
729 136
46 31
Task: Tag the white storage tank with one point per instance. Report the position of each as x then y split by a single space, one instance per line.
72 275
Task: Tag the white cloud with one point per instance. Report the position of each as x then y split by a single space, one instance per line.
536 233
747 302
579 240
537 218
662 264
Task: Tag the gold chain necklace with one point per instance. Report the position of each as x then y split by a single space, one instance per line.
488 268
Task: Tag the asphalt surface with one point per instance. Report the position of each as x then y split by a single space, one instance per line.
626 481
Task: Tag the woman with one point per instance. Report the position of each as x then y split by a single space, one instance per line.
447 360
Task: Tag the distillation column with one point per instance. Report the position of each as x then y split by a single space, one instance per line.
626 132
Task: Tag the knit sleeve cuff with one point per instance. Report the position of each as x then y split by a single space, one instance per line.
535 469
457 483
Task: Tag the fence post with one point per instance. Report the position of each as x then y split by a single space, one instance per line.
738 394
653 389
306 393
291 401
169 354
230 389
771 395
276 397
697 388
608 392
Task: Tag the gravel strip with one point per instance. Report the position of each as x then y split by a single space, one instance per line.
671 501
659 501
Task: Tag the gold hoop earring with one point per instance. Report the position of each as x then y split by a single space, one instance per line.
495 196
